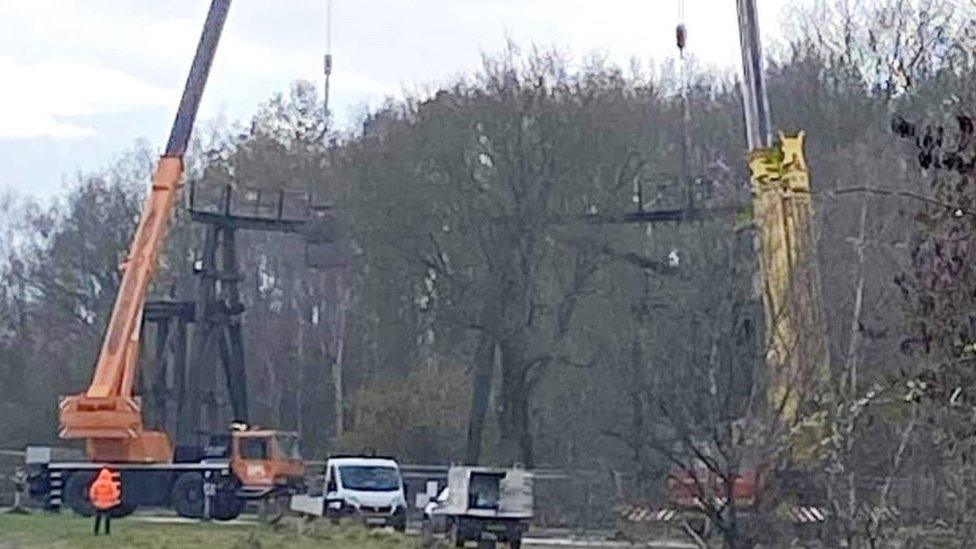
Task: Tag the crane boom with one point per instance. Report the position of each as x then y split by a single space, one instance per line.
107 413
796 354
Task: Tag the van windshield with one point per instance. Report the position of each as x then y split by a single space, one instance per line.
369 478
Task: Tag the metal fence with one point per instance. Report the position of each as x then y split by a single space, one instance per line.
578 499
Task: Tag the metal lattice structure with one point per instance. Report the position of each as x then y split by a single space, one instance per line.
185 381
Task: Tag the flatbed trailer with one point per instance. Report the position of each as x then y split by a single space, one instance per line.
483 504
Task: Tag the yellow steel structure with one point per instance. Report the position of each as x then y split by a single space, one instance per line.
796 346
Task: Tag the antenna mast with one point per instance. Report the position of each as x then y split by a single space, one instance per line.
327 66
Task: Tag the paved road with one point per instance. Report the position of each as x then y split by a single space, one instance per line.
557 541
155 519
565 543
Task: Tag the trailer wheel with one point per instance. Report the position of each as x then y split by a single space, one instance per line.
187 495
75 494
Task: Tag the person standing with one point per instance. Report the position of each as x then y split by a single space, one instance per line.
105 493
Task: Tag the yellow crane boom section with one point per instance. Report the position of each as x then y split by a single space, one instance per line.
796 346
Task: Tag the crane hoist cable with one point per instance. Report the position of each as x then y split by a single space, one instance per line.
681 39
681 33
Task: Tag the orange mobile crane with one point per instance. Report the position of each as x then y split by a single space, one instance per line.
213 482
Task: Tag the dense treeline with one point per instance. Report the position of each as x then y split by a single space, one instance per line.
498 313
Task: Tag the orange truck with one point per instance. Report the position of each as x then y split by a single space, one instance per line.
214 481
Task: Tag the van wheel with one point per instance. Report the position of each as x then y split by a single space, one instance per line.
76 493
187 495
400 520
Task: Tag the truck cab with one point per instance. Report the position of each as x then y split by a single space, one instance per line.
266 460
369 489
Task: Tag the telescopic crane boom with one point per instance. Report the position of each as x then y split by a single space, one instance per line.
108 414
796 356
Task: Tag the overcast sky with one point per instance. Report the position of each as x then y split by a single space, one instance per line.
83 80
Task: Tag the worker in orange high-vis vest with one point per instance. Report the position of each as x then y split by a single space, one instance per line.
105 493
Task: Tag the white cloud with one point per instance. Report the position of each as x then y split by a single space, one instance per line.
44 99
67 62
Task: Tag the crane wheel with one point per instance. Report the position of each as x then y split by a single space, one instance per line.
75 494
226 504
124 509
187 495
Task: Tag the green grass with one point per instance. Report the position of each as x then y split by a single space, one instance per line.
70 531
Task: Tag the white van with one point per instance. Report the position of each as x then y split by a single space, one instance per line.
367 488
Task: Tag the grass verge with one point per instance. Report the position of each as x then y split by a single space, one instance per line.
65 531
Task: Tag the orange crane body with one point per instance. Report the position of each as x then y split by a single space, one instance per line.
108 415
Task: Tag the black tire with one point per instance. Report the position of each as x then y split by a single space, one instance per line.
126 507
75 493
486 544
226 505
515 543
400 521
122 510
187 495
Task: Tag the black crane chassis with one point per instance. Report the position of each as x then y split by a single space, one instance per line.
194 490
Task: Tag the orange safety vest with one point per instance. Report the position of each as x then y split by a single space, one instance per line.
106 491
